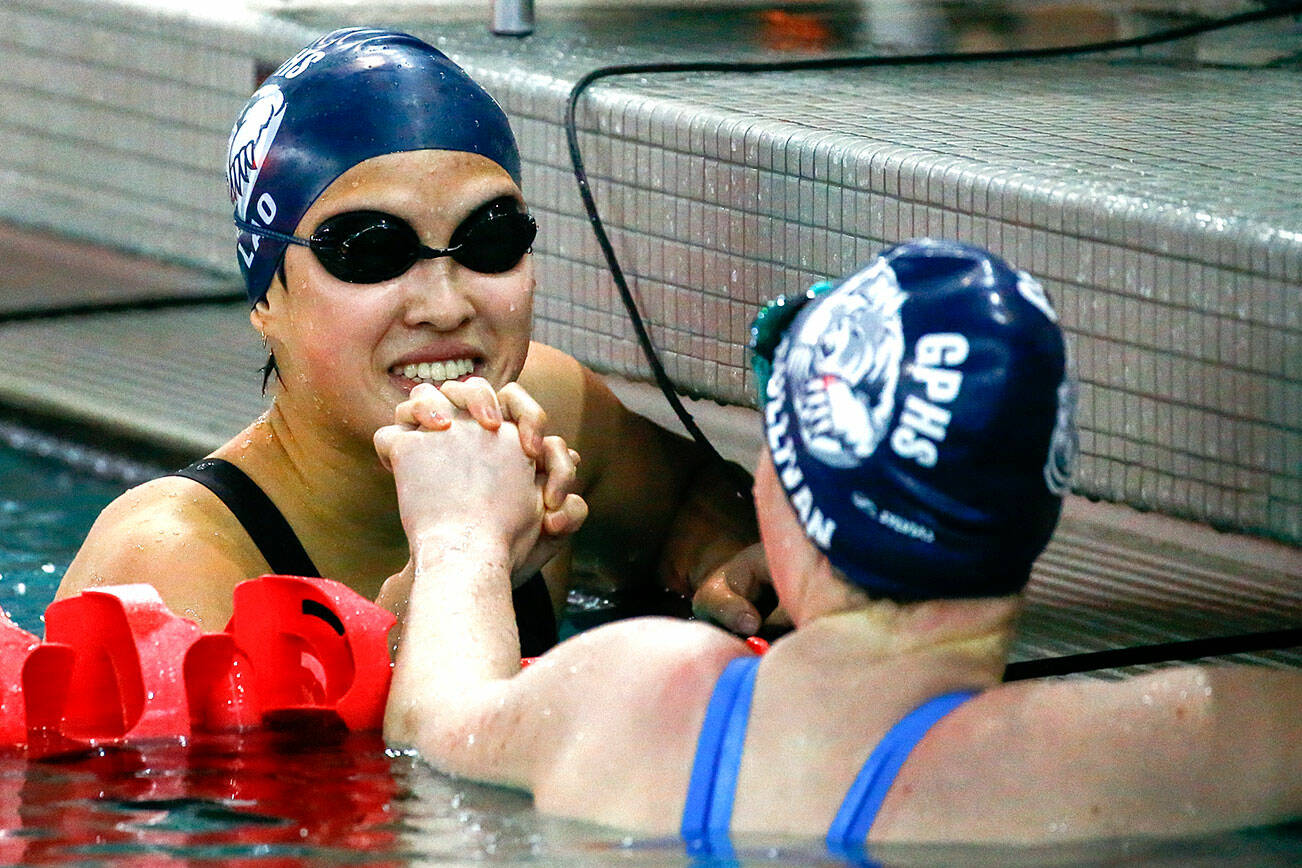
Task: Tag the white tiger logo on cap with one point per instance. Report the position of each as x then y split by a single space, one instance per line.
249 143
846 357
1064 442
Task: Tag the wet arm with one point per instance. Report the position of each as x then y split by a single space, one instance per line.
459 650
472 508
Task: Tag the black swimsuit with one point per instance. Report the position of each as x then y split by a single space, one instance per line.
276 540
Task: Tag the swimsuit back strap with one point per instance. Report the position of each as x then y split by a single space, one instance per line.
263 522
708 811
863 801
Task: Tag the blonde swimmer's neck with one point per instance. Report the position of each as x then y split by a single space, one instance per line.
976 632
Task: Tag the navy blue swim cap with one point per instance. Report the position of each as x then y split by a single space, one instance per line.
351 95
921 420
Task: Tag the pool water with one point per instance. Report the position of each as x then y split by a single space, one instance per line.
286 798
46 508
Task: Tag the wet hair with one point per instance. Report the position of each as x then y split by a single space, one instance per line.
269 366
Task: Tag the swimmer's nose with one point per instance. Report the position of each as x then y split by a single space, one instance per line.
434 297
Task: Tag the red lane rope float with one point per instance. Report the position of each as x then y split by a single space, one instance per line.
117 665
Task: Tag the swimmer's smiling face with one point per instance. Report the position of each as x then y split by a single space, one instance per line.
355 350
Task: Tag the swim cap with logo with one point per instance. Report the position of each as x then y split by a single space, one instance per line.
351 95
921 420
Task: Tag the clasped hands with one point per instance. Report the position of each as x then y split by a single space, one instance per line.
455 469
455 465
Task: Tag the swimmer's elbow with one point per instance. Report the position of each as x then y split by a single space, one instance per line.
458 739
409 723
400 723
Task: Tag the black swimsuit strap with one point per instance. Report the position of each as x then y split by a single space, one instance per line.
534 616
249 504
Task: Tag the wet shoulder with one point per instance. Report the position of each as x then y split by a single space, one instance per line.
172 533
1051 755
636 690
580 406
169 506
655 659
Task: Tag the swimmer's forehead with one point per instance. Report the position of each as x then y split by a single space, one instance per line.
413 184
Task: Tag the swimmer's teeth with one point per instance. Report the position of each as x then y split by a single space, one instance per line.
438 372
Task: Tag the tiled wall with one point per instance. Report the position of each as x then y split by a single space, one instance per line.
1160 208
113 122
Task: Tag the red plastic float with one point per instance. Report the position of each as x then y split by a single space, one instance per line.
117 665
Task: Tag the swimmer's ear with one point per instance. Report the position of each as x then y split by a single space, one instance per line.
262 308
263 319
278 280
258 317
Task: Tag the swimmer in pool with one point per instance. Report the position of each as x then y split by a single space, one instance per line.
385 244
899 553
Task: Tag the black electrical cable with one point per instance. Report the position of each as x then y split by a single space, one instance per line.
1164 652
1190 650
1274 10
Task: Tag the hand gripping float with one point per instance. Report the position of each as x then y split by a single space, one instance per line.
117 665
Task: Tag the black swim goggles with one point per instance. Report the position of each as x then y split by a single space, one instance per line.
768 327
372 246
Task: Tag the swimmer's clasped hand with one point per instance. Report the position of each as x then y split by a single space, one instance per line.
429 407
433 409
464 480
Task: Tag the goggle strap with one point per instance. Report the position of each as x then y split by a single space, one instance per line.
252 229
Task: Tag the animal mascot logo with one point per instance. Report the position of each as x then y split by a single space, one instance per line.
249 143
847 355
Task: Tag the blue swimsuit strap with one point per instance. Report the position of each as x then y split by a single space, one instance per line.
708 812
864 799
